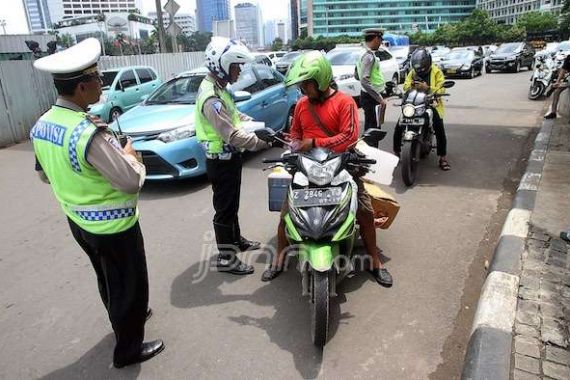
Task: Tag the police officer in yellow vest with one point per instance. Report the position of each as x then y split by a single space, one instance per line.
96 182
371 77
218 130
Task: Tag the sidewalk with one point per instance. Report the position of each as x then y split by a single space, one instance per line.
541 348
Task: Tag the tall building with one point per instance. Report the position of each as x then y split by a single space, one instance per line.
185 20
333 17
294 18
42 14
282 31
208 11
249 24
508 11
37 15
270 32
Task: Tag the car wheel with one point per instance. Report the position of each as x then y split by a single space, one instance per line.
114 114
517 67
396 80
472 73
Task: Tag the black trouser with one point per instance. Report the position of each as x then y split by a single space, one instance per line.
439 135
368 104
225 176
120 265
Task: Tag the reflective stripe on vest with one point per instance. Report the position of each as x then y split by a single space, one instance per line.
61 138
376 75
205 132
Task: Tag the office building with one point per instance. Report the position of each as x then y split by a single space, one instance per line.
508 11
184 20
270 32
294 18
333 17
208 11
282 31
37 15
249 24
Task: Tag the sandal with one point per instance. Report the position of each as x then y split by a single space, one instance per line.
444 165
271 274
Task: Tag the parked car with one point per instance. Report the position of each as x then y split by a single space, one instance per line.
124 88
512 56
343 61
402 55
274 56
438 54
462 63
487 51
476 49
282 65
162 127
263 59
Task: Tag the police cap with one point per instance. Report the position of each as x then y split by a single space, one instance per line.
72 63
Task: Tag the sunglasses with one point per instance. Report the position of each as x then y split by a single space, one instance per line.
371 37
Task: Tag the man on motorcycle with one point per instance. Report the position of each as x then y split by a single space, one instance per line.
426 77
559 88
326 118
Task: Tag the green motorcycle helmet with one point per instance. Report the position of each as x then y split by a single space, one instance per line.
311 65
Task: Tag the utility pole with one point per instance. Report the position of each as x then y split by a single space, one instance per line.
3 25
161 44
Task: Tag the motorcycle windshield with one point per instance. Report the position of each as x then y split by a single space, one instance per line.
415 97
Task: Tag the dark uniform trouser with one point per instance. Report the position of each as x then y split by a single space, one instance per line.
369 104
438 128
225 176
120 265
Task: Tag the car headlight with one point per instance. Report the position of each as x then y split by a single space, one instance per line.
321 174
177 134
512 58
409 110
466 67
345 76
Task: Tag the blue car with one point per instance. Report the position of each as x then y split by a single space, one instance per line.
162 127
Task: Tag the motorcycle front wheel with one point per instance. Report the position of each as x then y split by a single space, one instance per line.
536 90
320 307
410 160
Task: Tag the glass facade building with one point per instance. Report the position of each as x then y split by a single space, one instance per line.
37 15
508 11
208 11
338 17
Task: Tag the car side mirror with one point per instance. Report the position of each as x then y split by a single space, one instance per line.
241 96
448 84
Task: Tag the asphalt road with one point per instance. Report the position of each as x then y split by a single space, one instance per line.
53 325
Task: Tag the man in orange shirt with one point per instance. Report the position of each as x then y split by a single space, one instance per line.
326 118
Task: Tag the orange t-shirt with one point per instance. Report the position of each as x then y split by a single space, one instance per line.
338 113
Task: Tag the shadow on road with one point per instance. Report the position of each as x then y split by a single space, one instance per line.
96 364
289 327
153 190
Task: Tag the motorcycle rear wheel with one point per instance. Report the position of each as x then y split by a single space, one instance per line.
410 160
536 90
320 308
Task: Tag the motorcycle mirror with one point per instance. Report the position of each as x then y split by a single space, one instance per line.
374 135
448 84
390 85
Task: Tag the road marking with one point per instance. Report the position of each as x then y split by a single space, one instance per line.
498 302
516 223
530 181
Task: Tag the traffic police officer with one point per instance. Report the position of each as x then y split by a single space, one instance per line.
96 181
371 77
218 130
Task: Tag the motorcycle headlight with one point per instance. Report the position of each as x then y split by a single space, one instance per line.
181 133
409 110
320 174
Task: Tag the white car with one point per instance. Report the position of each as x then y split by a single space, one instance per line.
343 61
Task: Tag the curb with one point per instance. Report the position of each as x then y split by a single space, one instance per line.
489 349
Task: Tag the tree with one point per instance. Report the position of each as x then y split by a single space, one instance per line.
565 20
537 21
512 33
65 40
277 44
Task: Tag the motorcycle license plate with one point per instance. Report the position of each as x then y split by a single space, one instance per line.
317 197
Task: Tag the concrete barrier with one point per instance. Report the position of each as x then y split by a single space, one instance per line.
564 104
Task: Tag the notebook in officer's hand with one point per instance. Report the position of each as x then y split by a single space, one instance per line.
380 114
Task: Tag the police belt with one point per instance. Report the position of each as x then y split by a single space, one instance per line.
225 156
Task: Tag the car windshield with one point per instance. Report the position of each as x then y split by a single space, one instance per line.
182 90
289 57
108 78
508 48
400 51
564 46
343 57
440 52
459 54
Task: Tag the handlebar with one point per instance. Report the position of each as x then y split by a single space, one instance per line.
364 161
272 160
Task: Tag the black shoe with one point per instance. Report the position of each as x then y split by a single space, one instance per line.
270 274
148 314
234 266
148 351
564 235
248 245
382 276
551 115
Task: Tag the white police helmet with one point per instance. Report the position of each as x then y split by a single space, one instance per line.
222 52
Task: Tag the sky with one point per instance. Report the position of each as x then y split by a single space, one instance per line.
15 17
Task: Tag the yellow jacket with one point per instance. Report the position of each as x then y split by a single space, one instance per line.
436 83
